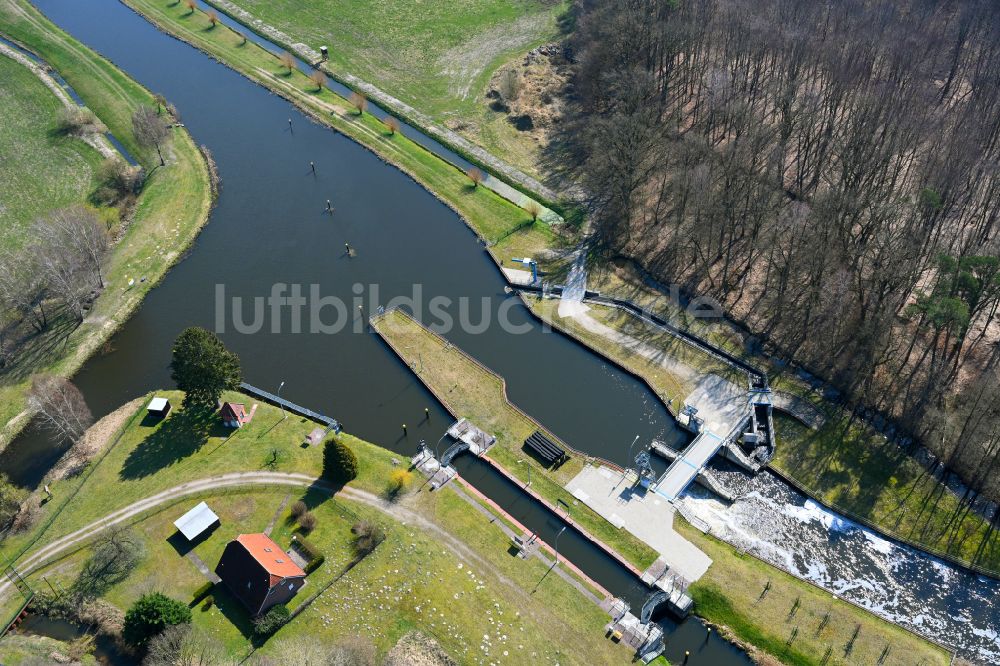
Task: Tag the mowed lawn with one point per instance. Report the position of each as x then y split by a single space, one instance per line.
471 391
414 580
41 170
436 55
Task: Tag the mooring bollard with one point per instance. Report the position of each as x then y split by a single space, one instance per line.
312 165
348 248
329 207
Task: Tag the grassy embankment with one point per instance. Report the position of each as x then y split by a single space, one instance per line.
795 621
412 581
172 208
42 169
491 216
435 55
468 390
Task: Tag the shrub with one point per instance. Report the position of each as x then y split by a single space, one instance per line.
340 465
287 60
271 621
314 564
308 547
299 508
534 210
209 600
191 6
213 18
79 120
399 479
203 591
150 615
118 180
307 521
367 537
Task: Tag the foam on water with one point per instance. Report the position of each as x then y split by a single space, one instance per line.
896 582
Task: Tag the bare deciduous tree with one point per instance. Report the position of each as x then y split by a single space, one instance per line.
391 124
318 78
21 288
150 129
60 406
287 60
533 209
475 175
359 102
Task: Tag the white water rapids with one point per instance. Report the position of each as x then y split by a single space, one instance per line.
898 583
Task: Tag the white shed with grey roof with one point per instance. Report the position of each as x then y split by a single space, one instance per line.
193 523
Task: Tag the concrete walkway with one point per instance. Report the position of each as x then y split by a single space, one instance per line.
209 575
645 515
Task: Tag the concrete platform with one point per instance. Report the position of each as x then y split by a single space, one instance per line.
720 403
518 276
646 515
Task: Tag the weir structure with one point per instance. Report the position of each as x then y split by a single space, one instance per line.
743 432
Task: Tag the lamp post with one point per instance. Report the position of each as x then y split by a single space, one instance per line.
284 415
558 534
528 465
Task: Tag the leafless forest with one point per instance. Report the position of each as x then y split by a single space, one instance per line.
828 170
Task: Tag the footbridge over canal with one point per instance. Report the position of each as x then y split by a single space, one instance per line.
723 417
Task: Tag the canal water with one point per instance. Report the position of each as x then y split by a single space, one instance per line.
105 651
270 226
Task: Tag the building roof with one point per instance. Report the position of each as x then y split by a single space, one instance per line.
249 567
157 404
196 521
237 409
270 556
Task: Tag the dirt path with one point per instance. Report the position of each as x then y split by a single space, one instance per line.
400 512
96 141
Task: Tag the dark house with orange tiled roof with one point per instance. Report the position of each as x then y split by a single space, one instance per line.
259 573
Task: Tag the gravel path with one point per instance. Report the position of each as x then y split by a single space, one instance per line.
398 511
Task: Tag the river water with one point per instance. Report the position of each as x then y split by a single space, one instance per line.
270 226
909 587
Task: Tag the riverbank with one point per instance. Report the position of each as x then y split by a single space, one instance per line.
793 621
448 569
847 465
171 210
470 390
486 212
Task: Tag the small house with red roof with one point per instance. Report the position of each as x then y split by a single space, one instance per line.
235 414
259 573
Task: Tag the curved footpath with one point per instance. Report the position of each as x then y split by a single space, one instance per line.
403 514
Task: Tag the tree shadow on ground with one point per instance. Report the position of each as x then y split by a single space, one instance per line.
179 436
